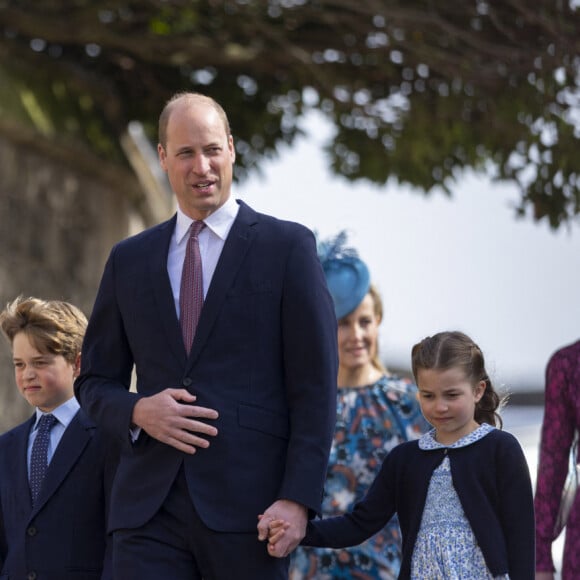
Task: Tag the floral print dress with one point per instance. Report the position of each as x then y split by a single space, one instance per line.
446 548
370 422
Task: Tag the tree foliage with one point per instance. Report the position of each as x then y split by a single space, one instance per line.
417 90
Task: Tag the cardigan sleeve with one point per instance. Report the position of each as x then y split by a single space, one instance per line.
367 517
516 507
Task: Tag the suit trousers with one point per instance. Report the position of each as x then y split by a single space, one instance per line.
176 544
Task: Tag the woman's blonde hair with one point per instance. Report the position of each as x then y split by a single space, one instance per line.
378 311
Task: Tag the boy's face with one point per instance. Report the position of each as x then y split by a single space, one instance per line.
44 380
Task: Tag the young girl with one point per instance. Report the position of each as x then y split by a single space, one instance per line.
462 491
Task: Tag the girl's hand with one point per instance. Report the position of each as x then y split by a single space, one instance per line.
276 531
294 516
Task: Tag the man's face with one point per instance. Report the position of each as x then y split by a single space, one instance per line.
198 158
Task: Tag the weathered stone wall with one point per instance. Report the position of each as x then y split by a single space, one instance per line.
57 225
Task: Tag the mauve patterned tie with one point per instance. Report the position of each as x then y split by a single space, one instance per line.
191 291
38 457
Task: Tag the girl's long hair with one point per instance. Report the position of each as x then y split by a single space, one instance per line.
454 349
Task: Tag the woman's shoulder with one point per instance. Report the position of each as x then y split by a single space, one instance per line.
397 386
568 355
402 396
398 383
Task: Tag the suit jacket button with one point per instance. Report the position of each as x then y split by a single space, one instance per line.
187 382
31 531
31 575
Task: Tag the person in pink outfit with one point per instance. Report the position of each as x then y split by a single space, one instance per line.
561 420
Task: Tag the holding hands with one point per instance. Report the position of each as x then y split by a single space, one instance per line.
276 533
283 524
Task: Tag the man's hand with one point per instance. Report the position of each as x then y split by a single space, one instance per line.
295 517
170 417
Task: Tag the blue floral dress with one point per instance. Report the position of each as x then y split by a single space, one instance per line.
446 548
370 422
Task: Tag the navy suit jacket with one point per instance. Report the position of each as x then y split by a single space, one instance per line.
264 356
64 536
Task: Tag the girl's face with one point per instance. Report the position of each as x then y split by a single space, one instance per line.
357 336
44 380
448 402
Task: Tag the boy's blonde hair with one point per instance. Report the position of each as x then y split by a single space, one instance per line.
52 326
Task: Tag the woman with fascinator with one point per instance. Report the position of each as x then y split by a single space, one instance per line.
376 411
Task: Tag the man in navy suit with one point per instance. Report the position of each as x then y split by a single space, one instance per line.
242 425
52 526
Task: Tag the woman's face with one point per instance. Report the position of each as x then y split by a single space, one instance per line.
357 336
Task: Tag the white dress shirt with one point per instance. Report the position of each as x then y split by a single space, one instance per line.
211 242
64 415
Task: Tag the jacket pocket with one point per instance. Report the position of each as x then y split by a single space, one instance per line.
263 420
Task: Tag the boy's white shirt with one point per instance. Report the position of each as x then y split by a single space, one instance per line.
64 414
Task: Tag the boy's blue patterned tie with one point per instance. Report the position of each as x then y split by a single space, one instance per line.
38 457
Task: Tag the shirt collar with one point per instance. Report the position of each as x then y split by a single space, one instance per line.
428 441
64 413
219 222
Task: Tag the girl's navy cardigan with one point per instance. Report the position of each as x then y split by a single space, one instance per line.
492 480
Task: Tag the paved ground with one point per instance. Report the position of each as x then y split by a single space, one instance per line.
525 423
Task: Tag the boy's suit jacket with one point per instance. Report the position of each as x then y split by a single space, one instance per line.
264 356
64 536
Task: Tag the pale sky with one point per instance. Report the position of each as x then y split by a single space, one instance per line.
464 263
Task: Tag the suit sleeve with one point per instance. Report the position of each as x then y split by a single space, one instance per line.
103 389
310 368
3 539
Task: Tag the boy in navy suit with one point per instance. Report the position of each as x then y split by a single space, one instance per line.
54 481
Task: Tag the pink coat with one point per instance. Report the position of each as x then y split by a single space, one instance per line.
561 418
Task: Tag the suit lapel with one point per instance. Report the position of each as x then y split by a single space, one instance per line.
17 462
237 244
159 278
73 442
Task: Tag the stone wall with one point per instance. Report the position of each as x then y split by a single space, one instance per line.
57 225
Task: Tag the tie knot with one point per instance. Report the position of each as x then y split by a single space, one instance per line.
195 228
47 422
